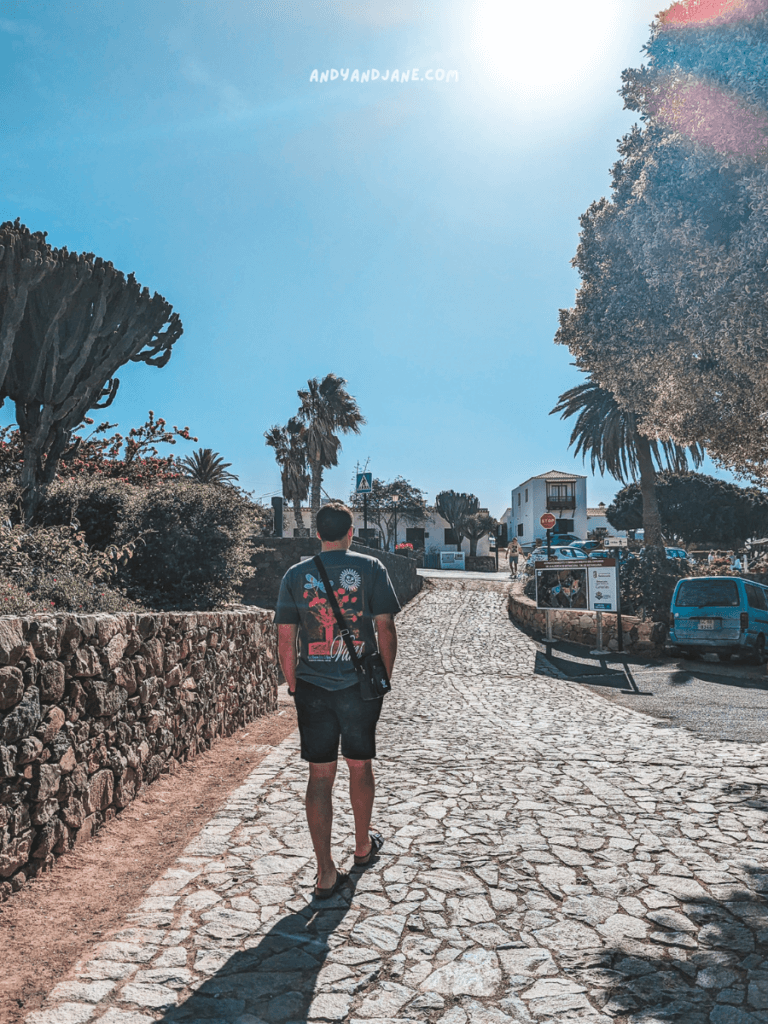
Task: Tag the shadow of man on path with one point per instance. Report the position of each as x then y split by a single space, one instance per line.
275 980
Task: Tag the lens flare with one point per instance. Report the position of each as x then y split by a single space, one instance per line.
711 116
692 12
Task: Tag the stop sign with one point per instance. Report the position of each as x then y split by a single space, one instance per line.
548 521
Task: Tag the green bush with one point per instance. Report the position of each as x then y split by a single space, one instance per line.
180 544
193 544
648 582
52 569
99 506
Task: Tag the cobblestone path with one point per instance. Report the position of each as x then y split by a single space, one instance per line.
549 857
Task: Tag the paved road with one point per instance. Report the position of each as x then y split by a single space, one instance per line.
550 857
714 700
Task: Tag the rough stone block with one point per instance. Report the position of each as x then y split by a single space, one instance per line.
100 791
11 687
23 719
12 643
106 699
51 681
52 722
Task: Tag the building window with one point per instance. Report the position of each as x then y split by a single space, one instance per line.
520 529
450 537
519 496
526 494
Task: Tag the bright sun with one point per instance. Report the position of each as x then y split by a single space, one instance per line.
540 49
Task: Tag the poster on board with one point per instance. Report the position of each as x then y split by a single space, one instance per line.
452 560
561 584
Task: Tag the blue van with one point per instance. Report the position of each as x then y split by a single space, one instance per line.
724 615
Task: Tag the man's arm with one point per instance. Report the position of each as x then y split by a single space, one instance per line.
286 650
385 627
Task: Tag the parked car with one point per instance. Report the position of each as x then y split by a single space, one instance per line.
558 540
673 553
585 545
558 553
725 615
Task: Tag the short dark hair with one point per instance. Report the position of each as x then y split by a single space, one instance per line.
333 521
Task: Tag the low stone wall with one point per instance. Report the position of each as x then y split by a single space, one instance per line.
480 563
274 555
94 707
643 638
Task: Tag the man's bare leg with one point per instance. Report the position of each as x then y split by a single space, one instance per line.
319 804
362 789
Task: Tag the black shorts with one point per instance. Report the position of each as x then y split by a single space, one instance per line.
325 716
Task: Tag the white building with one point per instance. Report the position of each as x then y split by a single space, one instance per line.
433 535
562 494
596 520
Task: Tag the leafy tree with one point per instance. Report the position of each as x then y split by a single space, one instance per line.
326 407
410 509
476 527
611 438
206 466
456 510
670 316
290 447
68 322
696 509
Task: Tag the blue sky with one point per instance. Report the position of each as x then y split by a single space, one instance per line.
414 237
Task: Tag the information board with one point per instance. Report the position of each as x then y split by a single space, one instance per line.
452 560
603 585
581 583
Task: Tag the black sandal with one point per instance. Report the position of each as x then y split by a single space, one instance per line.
377 841
325 894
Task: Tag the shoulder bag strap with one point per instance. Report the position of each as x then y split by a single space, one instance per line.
343 628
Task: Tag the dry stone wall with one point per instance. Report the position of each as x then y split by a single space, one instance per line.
275 555
95 707
640 638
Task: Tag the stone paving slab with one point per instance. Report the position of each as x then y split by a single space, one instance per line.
549 857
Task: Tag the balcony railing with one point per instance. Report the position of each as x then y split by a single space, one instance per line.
554 504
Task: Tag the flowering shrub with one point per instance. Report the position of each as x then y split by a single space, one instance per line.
404 549
52 569
133 459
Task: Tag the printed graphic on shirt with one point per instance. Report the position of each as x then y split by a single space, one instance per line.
323 640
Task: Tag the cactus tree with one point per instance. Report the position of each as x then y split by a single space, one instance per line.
68 321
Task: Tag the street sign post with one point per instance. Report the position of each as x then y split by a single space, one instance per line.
364 487
548 522
615 542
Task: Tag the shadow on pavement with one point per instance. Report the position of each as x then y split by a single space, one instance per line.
275 980
709 968
683 677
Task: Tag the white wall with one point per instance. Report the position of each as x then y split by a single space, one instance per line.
529 512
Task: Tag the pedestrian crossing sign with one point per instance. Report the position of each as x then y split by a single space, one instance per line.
364 483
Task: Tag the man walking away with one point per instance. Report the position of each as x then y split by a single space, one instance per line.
513 555
324 683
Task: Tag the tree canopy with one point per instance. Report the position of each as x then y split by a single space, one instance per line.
410 509
696 509
327 409
456 509
670 315
68 322
612 440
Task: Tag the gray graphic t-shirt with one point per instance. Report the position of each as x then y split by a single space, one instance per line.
363 590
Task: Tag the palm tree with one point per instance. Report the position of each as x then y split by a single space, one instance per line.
326 406
291 456
610 436
206 466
